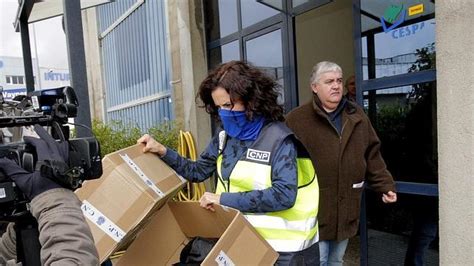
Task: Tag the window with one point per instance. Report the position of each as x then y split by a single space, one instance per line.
254 32
253 12
396 36
221 18
224 53
258 31
13 80
265 52
397 61
246 30
405 122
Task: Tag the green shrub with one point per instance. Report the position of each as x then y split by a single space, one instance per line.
116 135
167 134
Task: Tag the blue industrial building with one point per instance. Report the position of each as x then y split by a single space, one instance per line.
136 62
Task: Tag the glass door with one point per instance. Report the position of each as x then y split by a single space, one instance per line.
396 73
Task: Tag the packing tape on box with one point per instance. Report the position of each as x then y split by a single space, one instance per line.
104 223
223 260
142 176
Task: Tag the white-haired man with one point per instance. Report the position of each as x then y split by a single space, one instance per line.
345 151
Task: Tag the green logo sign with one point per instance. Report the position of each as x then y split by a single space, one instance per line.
392 13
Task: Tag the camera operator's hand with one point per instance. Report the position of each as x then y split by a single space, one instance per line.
47 148
33 184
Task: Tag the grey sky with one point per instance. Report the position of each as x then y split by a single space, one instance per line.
50 38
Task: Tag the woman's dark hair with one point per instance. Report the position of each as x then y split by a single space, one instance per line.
246 83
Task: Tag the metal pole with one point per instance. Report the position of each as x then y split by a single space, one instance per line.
38 71
358 51
371 61
364 255
77 63
25 45
364 239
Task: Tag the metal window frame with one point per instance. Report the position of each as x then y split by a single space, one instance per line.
241 33
283 21
290 59
287 6
307 6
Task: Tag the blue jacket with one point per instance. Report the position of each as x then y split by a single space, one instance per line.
280 196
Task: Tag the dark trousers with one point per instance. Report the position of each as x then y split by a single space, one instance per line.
309 256
425 228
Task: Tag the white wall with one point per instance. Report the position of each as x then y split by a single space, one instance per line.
455 94
189 67
13 66
95 82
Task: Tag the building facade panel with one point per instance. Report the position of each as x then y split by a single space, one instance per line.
111 12
13 82
136 61
144 115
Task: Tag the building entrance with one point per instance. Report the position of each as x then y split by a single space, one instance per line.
389 47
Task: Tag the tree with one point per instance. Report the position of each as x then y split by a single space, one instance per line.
421 121
426 59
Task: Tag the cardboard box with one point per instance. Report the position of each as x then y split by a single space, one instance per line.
161 242
133 186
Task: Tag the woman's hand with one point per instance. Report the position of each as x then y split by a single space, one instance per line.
152 145
208 199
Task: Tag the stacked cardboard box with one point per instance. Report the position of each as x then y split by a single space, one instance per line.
161 242
129 207
133 186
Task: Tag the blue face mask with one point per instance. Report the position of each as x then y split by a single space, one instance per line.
236 125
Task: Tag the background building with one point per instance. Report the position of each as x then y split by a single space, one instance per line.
12 77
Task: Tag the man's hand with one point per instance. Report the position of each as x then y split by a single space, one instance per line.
390 197
151 145
33 184
208 199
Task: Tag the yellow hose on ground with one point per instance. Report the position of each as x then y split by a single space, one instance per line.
187 149
117 255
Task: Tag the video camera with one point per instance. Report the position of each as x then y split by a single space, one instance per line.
52 108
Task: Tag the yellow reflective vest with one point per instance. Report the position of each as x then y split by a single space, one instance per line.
290 230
